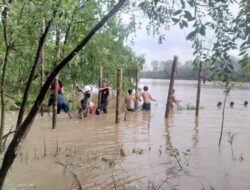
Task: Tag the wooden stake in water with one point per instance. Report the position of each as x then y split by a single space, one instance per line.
100 85
136 86
118 96
198 90
58 36
42 64
171 84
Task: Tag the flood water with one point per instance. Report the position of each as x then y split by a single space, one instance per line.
90 149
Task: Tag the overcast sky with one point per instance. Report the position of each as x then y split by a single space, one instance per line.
175 43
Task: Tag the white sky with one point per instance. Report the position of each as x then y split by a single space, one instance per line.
175 43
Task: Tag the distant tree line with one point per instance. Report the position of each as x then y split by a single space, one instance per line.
187 71
162 70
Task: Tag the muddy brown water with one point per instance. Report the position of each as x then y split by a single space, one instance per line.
90 149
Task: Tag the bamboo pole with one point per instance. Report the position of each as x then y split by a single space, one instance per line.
198 90
118 95
42 64
54 117
100 84
136 85
171 84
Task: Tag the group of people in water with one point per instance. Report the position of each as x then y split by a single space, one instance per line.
89 107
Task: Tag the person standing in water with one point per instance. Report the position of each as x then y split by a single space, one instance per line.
172 99
105 92
61 102
130 101
85 100
147 98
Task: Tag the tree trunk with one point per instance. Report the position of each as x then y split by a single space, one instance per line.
2 97
12 149
42 64
54 117
171 84
198 91
100 85
5 62
118 95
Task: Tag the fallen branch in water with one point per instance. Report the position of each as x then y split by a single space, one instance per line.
72 173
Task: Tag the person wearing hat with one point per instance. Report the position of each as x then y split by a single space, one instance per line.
104 92
85 100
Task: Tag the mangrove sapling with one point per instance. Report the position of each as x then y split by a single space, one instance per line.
111 162
12 149
228 87
174 152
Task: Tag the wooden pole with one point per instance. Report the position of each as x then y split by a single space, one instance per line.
171 85
119 94
198 90
136 85
42 65
54 117
100 84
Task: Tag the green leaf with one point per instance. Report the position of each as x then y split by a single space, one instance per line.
181 25
175 20
202 30
191 35
177 12
183 4
185 24
188 16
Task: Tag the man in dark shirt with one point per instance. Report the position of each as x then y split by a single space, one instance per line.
104 98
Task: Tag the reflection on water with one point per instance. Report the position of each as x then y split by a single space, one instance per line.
91 148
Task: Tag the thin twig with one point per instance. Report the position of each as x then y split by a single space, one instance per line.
72 173
113 181
5 137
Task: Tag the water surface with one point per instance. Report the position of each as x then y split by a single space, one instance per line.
90 148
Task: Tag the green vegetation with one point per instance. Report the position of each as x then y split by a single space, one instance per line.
110 162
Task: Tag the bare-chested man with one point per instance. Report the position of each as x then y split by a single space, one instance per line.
147 98
130 101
